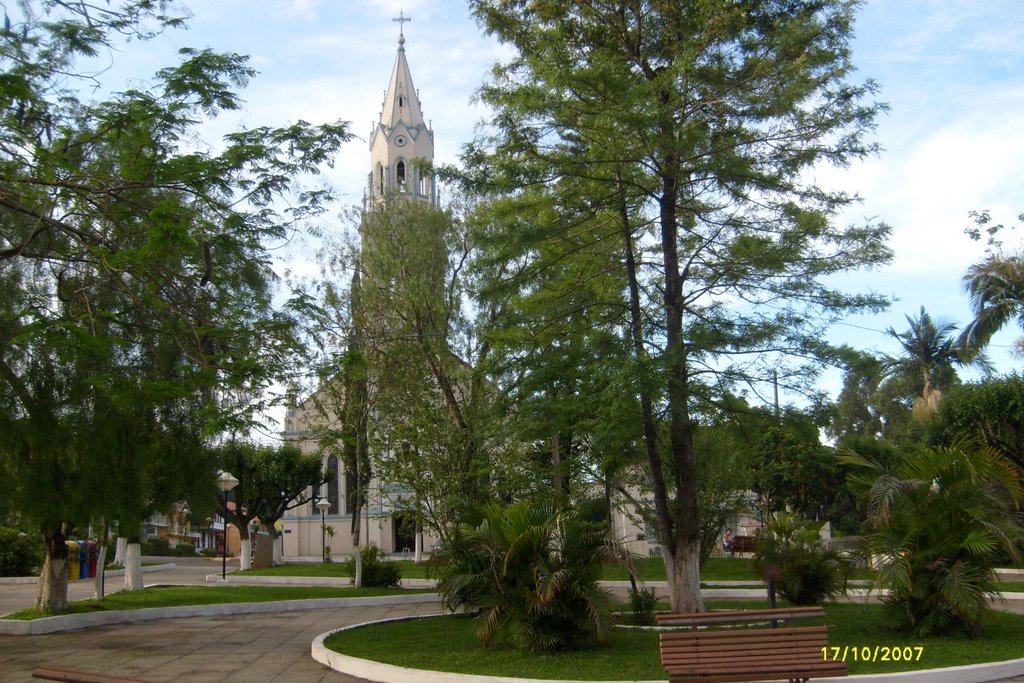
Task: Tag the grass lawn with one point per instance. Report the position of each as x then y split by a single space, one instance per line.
447 644
648 569
174 596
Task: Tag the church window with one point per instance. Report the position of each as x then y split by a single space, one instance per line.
401 101
332 484
380 176
400 169
424 185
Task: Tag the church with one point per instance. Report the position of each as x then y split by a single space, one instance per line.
401 149
401 145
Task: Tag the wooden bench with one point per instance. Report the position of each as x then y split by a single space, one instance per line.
741 544
48 674
796 653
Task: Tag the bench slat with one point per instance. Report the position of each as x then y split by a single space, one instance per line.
739 616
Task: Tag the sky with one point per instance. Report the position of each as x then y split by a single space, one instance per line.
951 71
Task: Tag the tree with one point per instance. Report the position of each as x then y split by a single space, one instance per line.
669 145
271 481
991 411
996 288
432 417
938 523
930 353
531 573
133 269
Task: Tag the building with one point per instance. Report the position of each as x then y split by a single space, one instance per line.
400 143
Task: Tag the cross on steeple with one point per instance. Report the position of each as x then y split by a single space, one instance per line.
401 19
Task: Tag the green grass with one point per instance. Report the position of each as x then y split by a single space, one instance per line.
175 596
648 569
447 644
410 570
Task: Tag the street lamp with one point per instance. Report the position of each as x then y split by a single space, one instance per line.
322 506
225 482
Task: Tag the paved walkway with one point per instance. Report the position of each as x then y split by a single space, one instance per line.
240 649
233 649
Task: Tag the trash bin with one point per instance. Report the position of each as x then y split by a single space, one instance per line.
72 560
94 556
83 560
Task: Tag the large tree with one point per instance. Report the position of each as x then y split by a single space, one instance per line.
674 145
133 266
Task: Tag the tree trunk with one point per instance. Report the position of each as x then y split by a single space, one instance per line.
99 589
245 554
52 589
119 550
277 545
419 542
133 567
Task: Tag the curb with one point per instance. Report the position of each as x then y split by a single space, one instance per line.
73 622
378 671
16 580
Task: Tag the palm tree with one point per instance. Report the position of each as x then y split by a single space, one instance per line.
938 525
531 573
929 352
996 287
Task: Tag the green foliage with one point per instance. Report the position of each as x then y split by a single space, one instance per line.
937 525
136 316
20 553
642 602
809 573
646 213
378 570
271 480
531 573
991 411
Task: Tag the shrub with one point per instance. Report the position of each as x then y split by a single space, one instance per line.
378 570
532 575
21 554
809 574
938 524
642 602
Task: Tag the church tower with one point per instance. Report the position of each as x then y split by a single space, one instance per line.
401 140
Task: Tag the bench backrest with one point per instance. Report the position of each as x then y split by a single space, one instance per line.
773 649
746 616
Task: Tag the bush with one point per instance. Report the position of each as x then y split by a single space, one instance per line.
532 575
21 554
938 524
642 602
378 570
809 574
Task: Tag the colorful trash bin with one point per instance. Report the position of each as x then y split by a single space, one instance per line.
83 560
94 556
73 570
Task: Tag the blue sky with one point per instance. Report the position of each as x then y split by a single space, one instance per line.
952 72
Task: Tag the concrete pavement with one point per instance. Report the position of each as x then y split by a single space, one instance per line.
234 649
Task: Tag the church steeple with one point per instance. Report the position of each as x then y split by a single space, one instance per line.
399 137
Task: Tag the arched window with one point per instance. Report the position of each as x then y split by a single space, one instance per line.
400 172
332 484
401 101
380 178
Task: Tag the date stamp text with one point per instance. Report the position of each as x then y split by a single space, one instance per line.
872 653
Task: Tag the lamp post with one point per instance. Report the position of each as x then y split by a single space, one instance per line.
225 482
322 506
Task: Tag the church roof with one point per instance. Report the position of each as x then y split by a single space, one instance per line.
401 103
